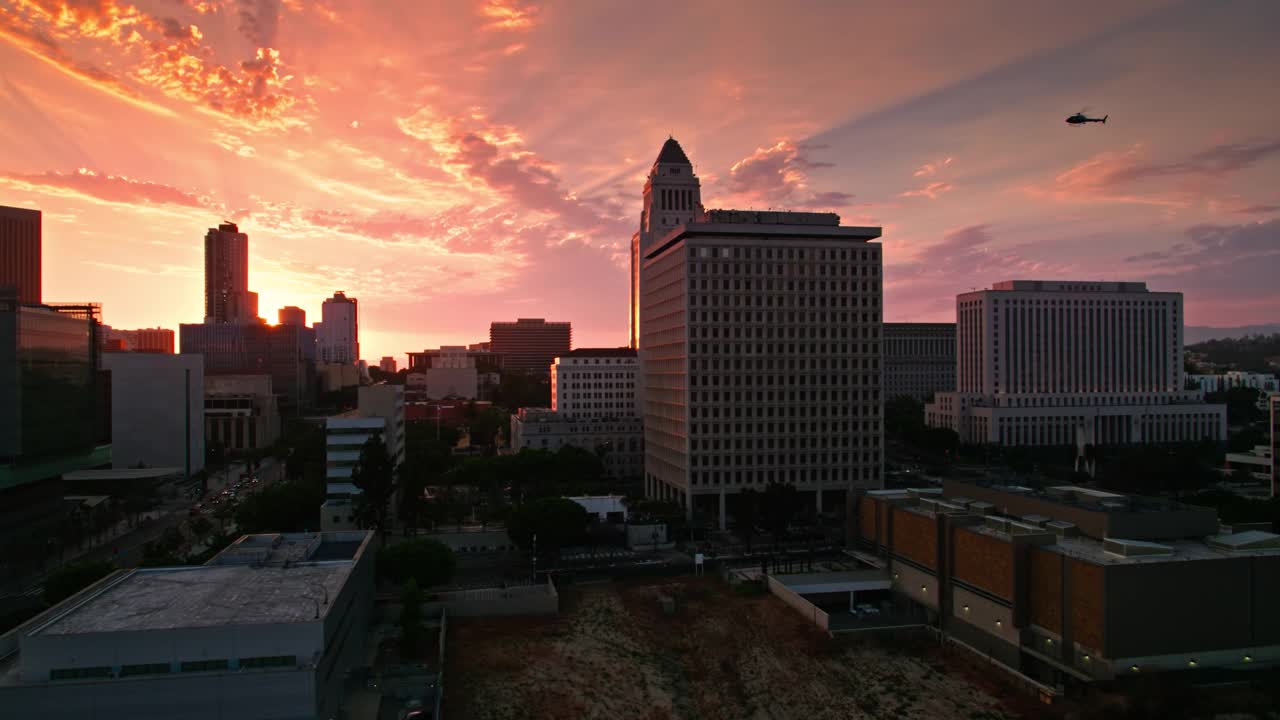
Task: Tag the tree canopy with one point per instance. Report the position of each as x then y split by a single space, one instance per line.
374 474
422 560
556 521
74 577
290 506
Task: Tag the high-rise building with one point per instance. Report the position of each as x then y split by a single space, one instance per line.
338 332
919 359
672 196
387 364
1072 363
148 340
596 383
286 352
761 358
227 299
292 315
20 248
530 344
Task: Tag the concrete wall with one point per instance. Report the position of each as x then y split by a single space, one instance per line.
524 600
147 409
452 382
909 581
1045 589
810 611
983 561
915 536
278 694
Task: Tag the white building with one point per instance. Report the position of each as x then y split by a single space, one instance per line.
338 332
760 348
605 508
621 439
1262 382
381 414
157 409
450 373
919 359
1072 362
266 630
596 383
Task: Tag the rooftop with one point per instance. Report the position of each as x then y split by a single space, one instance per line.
122 474
671 152
260 579
601 352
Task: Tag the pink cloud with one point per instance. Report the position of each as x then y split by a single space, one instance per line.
111 188
509 15
779 176
931 191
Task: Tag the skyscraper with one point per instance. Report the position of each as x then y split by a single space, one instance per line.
919 360
761 358
338 332
1072 363
20 243
292 315
672 196
530 344
226 277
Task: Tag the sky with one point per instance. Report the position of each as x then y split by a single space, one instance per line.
452 163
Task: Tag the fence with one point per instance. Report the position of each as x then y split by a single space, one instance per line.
540 599
806 608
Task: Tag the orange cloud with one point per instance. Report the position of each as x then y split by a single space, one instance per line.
509 15
931 191
929 169
779 175
110 188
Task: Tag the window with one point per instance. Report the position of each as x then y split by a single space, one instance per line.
203 665
145 669
80 673
269 662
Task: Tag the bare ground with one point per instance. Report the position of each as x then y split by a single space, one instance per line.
612 654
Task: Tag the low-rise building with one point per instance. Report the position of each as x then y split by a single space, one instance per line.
240 412
1274 403
380 414
620 440
157 409
1262 382
1071 584
604 508
267 629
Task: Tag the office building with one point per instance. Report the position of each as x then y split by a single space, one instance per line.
20 252
380 413
52 418
449 372
240 412
147 340
291 315
286 352
1273 402
267 629
919 360
619 440
596 383
226 277
760 352
1262 382
530 345
387 364
672 196
1069 585
338 332
157 410
1072 363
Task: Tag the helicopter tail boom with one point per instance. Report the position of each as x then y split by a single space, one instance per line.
1104 119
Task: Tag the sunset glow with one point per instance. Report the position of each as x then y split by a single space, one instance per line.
454 163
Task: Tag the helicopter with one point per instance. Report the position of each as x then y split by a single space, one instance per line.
1080 119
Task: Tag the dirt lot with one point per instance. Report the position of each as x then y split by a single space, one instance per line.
613 654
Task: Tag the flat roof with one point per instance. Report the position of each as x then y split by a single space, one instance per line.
715 229
1094 551
204 596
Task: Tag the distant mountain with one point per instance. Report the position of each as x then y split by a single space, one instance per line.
1193 335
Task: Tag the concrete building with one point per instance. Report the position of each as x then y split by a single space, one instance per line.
620 439
1262 382
446 372
1274 403
604 508
1070 585
291 315
266 630
148 340
338 332
381 414
240 412
530 345
596 383
672 196
1072 362
919 360
760 348
20 252
157 410
387 364
226 277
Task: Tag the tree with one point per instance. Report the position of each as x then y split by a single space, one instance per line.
292 506
74 577
779 502
423 561
200 528
411 630
555 521
746 513
375 476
